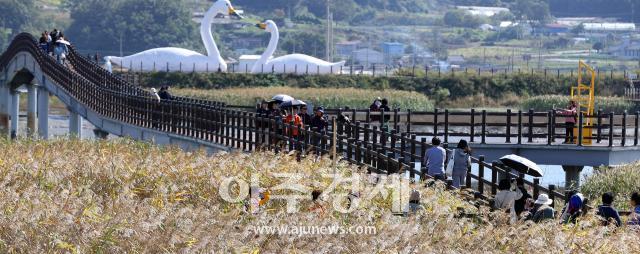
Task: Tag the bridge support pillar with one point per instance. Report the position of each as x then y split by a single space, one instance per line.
572 176
5 106
43 112
75 124
15 113
32 102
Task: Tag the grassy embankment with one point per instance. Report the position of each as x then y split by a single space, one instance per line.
459 91
327 97
131 197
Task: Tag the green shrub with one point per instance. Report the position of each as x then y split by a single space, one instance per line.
327 97
548 102
622 181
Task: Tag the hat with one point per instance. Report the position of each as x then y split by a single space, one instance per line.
543 199
320 109
153 90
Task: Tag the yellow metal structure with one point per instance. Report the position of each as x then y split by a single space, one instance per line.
584 95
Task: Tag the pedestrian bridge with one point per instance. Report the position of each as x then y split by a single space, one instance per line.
119 108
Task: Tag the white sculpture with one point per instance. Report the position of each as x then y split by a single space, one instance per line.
181 60
295 63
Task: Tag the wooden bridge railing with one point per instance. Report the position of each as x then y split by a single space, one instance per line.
387 151
510 127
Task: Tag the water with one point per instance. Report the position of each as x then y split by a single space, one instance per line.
59 126
553 174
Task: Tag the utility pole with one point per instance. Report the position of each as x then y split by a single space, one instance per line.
329 46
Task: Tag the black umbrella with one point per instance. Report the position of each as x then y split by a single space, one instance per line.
292 103
522 165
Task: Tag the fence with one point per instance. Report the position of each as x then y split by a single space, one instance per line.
378 70
520 127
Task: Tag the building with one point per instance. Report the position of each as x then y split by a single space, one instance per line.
456 60
367 57
555 29
483 11
487 27
609 27
575 21
391 51
423 58
346 49
628 50
394 49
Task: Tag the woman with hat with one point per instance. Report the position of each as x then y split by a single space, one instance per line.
542 210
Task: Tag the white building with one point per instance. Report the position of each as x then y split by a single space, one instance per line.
609 27
367 57
483 11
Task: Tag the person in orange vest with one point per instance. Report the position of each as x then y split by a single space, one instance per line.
294 117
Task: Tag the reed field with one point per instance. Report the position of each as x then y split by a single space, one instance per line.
327 97
621 181
70 196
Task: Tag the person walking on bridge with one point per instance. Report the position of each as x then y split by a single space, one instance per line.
165 94
434 159
461 163
61 50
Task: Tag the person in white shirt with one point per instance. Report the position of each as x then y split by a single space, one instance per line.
506 197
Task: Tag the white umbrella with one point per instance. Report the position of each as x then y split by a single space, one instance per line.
63 42
282 98
522 165
292 103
